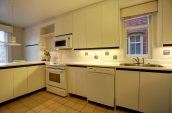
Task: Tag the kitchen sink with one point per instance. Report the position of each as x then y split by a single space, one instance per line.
141 65
151 65
128 64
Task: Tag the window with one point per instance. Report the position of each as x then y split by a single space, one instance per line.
3 47
135 42
137 35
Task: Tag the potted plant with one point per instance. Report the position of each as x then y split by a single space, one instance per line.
47 55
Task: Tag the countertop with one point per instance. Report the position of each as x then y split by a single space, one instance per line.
20 64
117 66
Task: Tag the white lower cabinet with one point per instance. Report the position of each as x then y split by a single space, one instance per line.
6 84
154 92
127 89
36 78
77 80
15 82
170 93
20 81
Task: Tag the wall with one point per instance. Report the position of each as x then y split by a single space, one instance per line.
17 52
69 56
31 37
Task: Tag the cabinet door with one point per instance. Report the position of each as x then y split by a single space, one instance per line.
32 36
63 25
94 26
167 23
20 81
154 92
81 81
36 78
6 85
67 23
110 32
77 80
79 29
127 89
32 53
71 78
59 26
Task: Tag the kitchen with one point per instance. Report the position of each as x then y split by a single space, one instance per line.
91 56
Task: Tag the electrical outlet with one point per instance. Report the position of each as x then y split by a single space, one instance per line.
166 52
96 57
115 57
107 53
86 53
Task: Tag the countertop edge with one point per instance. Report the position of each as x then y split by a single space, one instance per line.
17 65
118 67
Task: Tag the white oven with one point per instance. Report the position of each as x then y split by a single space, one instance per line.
56 80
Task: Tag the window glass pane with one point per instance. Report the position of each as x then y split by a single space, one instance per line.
138 47
132 39
132 49
2 39
138 38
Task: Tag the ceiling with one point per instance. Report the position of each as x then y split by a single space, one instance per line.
29 12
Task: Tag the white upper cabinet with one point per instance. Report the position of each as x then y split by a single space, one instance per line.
110 23
32 36
167 21
79 29
6 83
20 81
94 26
154 92
63 24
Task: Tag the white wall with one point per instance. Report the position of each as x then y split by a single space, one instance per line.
17 52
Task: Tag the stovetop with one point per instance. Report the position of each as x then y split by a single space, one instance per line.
55 65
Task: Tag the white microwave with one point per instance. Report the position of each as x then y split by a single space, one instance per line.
63 42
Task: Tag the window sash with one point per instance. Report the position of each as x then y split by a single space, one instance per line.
135 43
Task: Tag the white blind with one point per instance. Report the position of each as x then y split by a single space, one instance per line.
140 9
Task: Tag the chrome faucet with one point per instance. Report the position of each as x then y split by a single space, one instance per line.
137 60
143 60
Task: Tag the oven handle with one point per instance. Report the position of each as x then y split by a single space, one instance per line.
55 70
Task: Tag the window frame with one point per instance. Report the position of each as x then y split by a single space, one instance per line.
150 32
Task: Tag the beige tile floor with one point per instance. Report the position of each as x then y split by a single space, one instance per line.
45 102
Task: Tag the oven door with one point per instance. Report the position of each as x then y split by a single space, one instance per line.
56 78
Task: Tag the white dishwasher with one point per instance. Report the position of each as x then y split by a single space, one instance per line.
100 85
